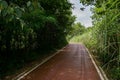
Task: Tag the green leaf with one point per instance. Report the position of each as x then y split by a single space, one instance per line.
28 4
3 4
10 10
18 12
51 19
4 12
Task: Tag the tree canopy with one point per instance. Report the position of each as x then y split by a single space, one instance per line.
27 25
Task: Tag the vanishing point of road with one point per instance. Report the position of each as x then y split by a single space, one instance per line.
70 63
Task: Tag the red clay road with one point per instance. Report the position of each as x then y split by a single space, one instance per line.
71 63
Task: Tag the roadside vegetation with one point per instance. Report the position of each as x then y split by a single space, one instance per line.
103 39
30 29
77 29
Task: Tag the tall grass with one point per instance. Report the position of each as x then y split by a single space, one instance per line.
105 47
86 38
106 35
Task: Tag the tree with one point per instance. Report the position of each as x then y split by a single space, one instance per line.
31 25
77 29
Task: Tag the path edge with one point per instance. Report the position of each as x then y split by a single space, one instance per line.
23 74
98 68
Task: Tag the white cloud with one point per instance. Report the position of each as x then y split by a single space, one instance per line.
82 16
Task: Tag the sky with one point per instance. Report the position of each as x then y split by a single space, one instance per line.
82 16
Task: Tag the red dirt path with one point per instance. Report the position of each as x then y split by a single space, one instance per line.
71 63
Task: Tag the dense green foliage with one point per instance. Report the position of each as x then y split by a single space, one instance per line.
76 30
106 34
29 28
85 38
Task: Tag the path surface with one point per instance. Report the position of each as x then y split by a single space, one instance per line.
71 63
